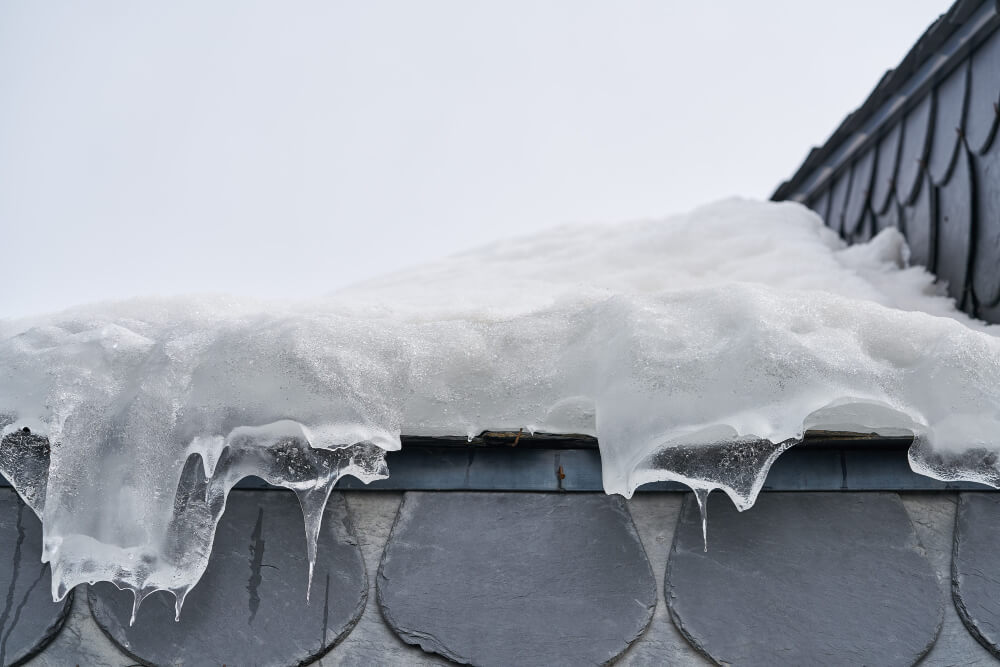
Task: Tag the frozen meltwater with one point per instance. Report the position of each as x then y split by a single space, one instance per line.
696 348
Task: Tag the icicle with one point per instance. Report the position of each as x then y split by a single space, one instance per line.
309 584
179 595
137 597
313 504
701 495
60 589
135 608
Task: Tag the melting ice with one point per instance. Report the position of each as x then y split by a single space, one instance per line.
696 348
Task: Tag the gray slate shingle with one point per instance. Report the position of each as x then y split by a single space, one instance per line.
516 578
29 619
250 606
804 578
976 567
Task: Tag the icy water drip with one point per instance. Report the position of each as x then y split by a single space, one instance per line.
701 495
696 348
713 459
279 453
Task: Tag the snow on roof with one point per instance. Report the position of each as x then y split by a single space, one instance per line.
696 348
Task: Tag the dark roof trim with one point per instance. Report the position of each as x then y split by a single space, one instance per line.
525 440
519 461
823 461
877 467
942 47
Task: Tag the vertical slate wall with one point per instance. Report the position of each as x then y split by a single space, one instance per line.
921 154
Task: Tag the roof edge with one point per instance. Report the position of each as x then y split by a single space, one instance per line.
942 46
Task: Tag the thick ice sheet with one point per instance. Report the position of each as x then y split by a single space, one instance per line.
696 348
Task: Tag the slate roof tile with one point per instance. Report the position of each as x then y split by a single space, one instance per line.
953 255
767 565
250 605
949 121
984 95
29 619
913 151
516 578
975 584
891 217
806 578
887 158
859 195
839 193
820 203
930 123
946 42
919 224
986 246
933 518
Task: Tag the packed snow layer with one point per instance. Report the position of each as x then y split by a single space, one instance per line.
696 348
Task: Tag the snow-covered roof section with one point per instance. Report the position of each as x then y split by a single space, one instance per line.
695 348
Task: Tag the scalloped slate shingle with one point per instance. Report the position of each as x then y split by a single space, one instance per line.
913 151
516 578
927 133
984 93
29 619
976 567
920 226
804 578
373 642
860 192
955 200
949 118
986 246
886 160
250 606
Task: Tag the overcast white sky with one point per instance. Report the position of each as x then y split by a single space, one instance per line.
288 148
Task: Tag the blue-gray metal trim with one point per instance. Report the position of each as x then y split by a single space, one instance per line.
873 466
520 461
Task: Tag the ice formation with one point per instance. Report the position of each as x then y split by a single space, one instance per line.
696 348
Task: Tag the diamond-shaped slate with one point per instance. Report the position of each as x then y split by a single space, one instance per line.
516 578
250 606
29 619
804 578
975 567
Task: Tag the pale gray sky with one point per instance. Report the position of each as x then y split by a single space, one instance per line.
291 147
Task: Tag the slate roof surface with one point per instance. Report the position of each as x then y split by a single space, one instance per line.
551 579
919 154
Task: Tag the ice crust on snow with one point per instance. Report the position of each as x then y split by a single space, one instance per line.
696 348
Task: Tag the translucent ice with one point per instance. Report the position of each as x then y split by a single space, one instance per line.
696 349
